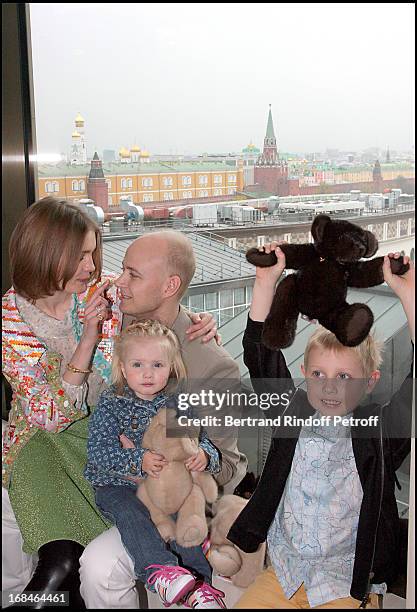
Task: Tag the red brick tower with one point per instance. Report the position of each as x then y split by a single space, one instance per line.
377 178
270 171
97 188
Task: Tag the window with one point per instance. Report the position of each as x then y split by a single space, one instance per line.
74 185
212 301
196 302
168 195
239 296
231 178
203 193
55 186
186 180
48 187
217 192
147 182
218 179
123 183
167 181
81 185
187 194
148 197
129 183
231 190
226 298
203 180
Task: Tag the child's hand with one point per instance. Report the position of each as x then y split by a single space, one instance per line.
403 285
152 463
126 442
273 273
198 462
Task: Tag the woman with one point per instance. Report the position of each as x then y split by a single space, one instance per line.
58 323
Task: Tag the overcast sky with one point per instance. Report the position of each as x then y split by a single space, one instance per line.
190 78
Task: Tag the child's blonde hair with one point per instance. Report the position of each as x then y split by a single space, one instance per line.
148 329
369 351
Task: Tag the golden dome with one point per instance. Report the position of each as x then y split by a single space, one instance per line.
79 119
76 135
135 149
124 152
144 153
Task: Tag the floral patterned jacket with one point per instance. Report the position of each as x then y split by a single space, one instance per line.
39 400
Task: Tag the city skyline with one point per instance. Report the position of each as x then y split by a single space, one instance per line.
186 79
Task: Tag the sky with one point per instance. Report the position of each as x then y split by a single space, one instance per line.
180 78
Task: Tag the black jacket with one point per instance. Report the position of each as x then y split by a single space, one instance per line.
378 525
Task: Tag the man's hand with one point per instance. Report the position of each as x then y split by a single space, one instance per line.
152 463
204 326
198 462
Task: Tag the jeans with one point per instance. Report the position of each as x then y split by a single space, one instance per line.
141 538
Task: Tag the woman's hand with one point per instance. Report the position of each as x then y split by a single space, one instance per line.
204 326
97 310
198 462
152 463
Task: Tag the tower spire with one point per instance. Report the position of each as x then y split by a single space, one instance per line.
270 153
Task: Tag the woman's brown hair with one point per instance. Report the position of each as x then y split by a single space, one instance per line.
45 247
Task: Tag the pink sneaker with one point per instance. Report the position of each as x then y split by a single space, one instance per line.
205 596
172 582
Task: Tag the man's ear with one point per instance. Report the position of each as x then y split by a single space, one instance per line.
317 228
372 381
173 285
303 370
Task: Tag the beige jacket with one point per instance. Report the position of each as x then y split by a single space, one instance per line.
209 362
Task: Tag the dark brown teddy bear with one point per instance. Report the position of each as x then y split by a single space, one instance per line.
318 289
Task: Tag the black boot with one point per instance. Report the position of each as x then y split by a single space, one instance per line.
57 570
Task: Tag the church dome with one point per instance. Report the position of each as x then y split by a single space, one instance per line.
76 135
124 152
144 153
135 149
251 149
79 119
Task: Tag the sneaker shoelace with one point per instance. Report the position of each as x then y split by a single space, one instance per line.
209 593
166 572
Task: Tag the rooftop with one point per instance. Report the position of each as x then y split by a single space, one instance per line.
112 168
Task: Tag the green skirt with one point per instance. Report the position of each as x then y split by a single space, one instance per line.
49 495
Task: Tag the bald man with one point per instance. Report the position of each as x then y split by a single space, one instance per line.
157 270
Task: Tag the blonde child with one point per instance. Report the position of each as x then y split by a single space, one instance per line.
147 362
325 501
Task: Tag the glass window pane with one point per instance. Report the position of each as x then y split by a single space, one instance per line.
226 298
196 302
225 316
239 295
249 291
212 301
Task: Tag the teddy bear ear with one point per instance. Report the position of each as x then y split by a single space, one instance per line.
372 246
317 229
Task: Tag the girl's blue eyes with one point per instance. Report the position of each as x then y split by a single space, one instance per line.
138 364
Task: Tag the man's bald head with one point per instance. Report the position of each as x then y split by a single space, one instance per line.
177 252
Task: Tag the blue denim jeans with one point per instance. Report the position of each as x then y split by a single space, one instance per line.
141 538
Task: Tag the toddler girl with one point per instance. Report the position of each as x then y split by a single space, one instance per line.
147 361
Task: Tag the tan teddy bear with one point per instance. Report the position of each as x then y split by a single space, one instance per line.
226 558
176 490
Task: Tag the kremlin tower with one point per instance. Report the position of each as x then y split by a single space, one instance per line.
97 187
78 155
271 173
